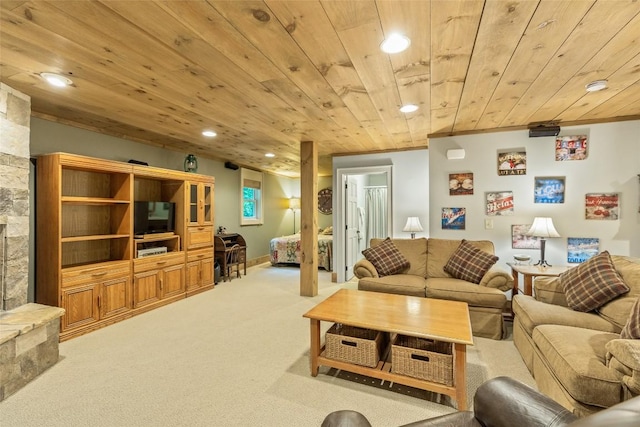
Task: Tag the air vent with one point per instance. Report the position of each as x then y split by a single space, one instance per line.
544 130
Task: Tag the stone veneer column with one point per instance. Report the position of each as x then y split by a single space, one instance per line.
15 117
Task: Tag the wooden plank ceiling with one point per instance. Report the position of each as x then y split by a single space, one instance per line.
266 75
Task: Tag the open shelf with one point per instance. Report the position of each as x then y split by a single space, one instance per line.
172 243
96 249
95 184
95 219
92 266
94 237
92 200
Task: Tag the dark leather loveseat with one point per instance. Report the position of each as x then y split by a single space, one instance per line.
505 402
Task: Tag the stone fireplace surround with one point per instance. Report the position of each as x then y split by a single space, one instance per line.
29 333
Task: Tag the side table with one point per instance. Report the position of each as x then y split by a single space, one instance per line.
531 271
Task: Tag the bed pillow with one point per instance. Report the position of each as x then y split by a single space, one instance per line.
592 284
386 258
469 263
328 231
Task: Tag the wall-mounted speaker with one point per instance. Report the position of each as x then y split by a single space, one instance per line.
231 166
456 154
138 162
543 130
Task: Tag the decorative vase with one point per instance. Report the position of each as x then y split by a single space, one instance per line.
191 163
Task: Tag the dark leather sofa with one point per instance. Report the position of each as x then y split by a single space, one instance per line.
505 402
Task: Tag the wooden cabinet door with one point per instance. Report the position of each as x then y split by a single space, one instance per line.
200 203
206 205
115 297
172 282
81 306
146 288
193 275
193 207
207 271
199 237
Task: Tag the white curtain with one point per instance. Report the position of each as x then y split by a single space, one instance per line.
375 200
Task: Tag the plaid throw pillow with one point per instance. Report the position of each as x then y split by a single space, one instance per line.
469 263
631 330
592 283
386 258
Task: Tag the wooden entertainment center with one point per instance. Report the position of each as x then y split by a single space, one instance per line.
89 261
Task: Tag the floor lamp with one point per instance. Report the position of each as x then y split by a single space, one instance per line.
542 227
294 203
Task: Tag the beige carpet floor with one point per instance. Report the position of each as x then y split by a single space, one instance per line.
233 356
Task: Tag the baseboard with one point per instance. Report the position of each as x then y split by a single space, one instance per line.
258 261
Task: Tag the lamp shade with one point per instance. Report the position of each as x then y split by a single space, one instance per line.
294 203
413 224
542 227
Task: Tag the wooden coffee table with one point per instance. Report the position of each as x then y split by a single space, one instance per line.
414 316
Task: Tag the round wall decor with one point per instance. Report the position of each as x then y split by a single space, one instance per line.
325 201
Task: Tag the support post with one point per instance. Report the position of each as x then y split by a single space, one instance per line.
309 218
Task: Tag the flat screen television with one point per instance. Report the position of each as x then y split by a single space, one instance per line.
153 217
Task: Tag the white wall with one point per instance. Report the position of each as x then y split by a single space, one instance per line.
612 165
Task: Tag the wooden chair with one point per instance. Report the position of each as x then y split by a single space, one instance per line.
234 260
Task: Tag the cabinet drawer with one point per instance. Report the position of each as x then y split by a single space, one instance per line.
199 254
157 261
97 273
198 237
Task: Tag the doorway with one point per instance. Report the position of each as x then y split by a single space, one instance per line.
364 211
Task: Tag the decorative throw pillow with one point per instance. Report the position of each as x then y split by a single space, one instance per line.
592 284
469 263
386 258
631 330
328 231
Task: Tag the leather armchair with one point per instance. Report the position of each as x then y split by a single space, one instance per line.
505 402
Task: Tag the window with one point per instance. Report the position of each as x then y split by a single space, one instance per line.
251 197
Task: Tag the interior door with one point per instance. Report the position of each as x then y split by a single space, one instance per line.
352 227
363 175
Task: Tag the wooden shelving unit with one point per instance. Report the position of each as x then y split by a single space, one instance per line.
87 256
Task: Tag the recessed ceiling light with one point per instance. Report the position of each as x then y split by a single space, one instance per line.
56 79
209 133
395 43
408 108
596 85
269 155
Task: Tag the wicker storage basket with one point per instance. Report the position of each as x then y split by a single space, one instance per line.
354 345
422 358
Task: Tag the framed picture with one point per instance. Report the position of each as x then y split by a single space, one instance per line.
520 241
512 163
460 184
604 206
571 148
580 249
454 218
548 189
499 203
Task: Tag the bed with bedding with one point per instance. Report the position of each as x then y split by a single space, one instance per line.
286 250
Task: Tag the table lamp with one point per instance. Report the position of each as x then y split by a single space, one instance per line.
542 227
412 225
294 203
